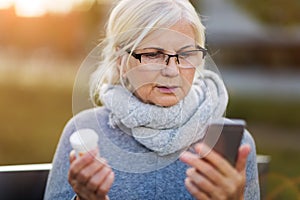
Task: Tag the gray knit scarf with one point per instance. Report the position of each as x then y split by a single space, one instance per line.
166 130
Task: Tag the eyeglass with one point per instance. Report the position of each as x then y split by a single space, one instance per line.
184 59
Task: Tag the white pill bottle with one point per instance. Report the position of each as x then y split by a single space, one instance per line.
83 141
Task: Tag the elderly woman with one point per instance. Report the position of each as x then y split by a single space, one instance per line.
158 100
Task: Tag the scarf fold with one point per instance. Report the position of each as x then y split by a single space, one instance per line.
166 130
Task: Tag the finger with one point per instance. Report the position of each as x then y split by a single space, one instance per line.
232 179
88 171
107 181
243 153
97 180
80 191
200 181
72 156
195 192
79 163
218 161
203 167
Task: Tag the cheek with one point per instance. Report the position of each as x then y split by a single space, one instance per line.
187 76
144 92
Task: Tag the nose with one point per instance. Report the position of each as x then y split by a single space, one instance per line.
171 69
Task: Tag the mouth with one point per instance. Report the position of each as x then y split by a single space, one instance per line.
167 89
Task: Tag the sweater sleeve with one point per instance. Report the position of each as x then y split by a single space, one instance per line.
252 191
58 187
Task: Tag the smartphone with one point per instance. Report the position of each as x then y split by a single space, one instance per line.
225 138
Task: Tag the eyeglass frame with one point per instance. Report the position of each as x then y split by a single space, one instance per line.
138 56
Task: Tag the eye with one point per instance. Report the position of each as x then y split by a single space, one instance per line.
187 54
152 55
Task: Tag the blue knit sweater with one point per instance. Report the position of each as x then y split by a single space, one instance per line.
165 183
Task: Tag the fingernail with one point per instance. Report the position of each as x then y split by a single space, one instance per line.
198 147
185 156
111 175
202 148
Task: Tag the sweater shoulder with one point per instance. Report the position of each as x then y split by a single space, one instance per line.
86 118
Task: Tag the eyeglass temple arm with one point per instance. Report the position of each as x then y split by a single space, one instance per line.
203 50
136 56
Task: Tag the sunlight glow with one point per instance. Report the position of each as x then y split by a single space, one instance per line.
38 8
30 8
59 6
83 5
5 4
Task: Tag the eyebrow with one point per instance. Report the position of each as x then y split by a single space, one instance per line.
187 46
156 48
161 49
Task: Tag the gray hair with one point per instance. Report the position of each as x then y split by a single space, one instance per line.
129 23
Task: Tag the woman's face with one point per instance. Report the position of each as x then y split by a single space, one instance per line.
162 82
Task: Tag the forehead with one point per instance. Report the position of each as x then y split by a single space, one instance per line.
179 35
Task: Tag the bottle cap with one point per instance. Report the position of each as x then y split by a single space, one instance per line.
84 140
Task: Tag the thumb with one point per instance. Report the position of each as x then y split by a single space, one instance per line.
72 156
243 153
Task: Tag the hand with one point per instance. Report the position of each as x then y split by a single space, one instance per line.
90 176
212 177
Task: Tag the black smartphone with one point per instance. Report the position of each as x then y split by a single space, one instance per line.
225 138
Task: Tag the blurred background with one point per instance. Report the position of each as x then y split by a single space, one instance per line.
255 44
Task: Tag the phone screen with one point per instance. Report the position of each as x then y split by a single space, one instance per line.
225 139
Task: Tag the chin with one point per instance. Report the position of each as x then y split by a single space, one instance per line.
165 102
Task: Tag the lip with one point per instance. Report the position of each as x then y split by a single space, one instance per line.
166 89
